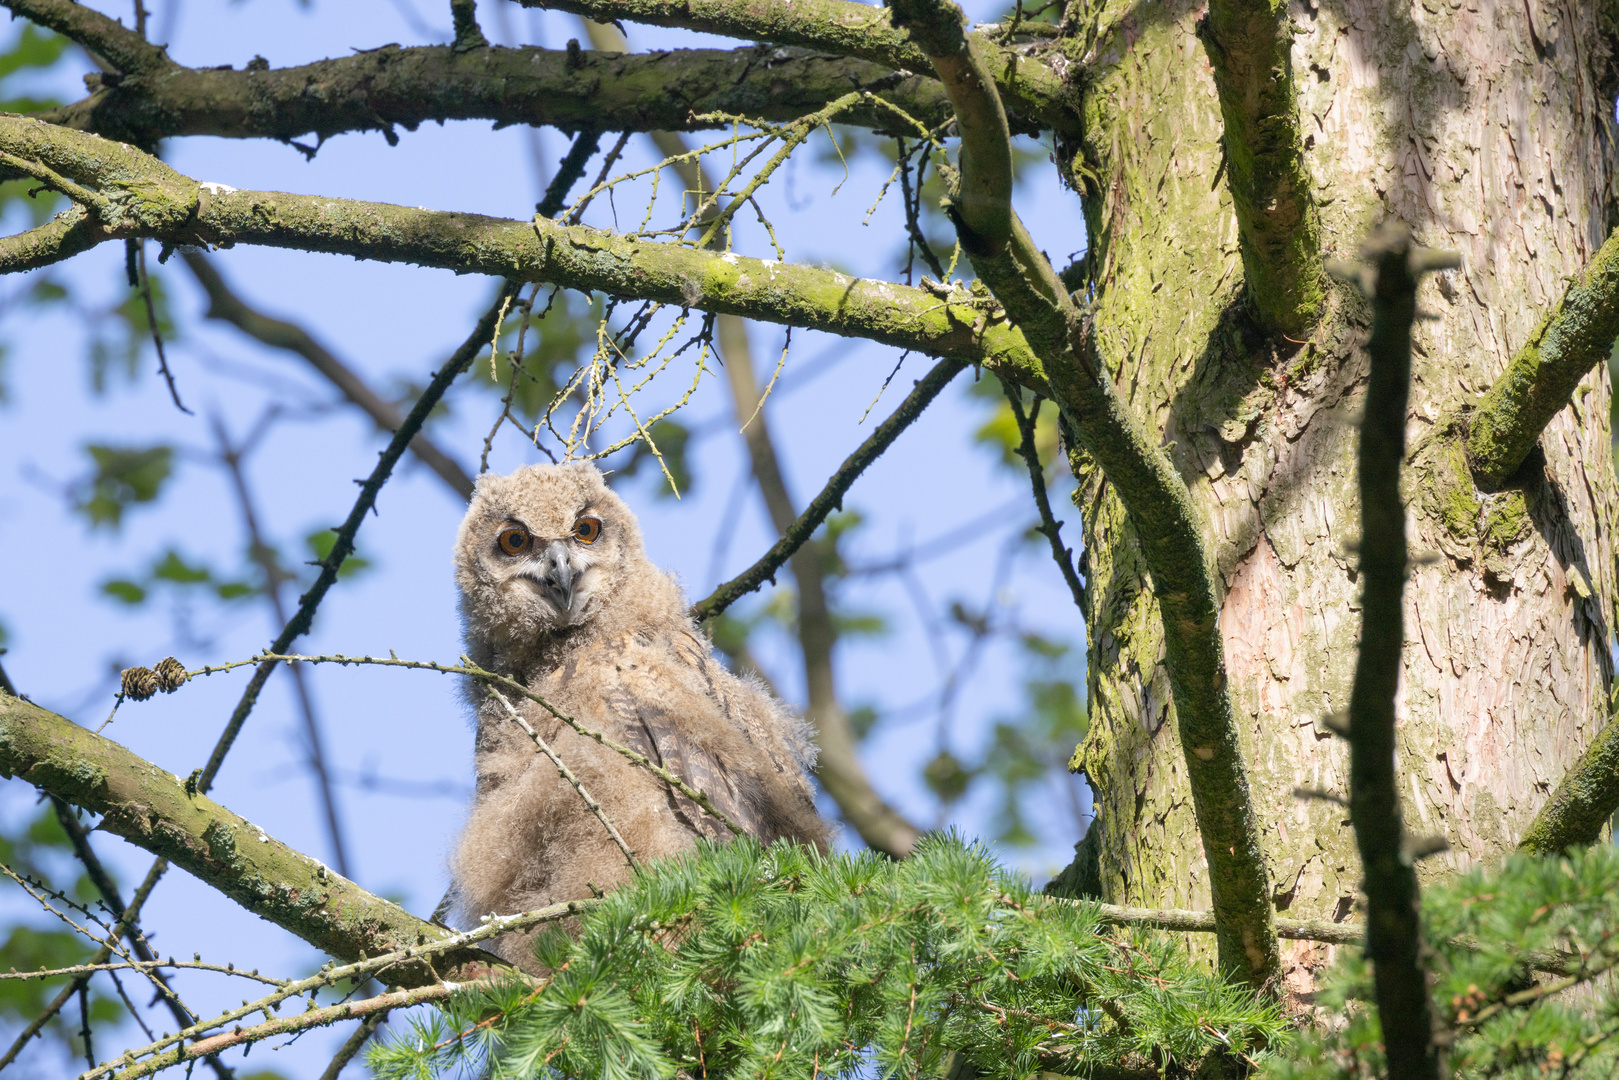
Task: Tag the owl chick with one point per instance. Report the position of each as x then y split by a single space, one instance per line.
558 594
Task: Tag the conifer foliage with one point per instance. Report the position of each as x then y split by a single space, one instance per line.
777 962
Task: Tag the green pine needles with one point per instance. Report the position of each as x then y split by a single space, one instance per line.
742 961
1497 1017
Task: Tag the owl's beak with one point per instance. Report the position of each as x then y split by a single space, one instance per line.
556 576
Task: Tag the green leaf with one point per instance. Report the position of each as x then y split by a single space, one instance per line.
320 544
126 591
123 476
172 567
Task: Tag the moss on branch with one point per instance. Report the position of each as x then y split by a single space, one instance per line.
155 202
1584 801
1540 380
1249 45
155 810
1031 88
382 88
1166 521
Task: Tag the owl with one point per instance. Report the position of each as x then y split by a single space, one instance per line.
556 592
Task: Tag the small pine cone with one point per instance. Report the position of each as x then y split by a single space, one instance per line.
139 683
171 674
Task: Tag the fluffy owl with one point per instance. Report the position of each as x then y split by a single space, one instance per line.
556 591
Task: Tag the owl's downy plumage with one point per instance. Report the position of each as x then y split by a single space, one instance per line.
557 593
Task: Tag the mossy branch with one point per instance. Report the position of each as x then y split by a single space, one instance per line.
1166 521
392 87
156 810
1540 380
1249 44
1033 90
152 200
1584 801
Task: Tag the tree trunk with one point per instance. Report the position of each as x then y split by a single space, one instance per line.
1488 129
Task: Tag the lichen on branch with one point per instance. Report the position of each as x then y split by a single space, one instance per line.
152 200
1160 506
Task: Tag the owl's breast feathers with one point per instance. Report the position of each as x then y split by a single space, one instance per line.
665 697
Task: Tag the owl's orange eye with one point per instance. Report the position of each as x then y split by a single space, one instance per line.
513 541
585 530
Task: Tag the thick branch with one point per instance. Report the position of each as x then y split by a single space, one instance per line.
225 305
1393 927
155 201
1167 527
1541 379
154 809
380 89
1031 88
1584 801
1249 45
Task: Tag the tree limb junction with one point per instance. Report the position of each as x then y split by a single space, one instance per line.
1541 378
1249 43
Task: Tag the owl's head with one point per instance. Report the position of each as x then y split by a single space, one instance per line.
545 549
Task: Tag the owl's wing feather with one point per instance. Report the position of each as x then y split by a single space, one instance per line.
658 731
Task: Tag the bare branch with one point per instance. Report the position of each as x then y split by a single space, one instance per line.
1031 88
1570 341
830 497
1394 931
1049 525
381 89
1249 43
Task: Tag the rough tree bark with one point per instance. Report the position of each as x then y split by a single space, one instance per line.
1488 130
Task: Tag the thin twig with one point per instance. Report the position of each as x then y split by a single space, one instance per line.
493 926
1049 525
831 496
567 773
352 1045
131 914
151 324
490 678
